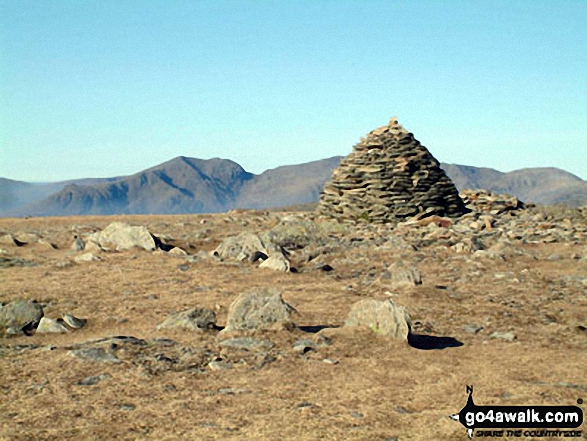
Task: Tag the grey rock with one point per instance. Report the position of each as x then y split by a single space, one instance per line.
74 322
50 326
240 247
20 315
95 354
382 316
258 310
195 319
294 232
92 380
124 236
399 274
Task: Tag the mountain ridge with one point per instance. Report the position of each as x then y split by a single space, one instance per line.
192 185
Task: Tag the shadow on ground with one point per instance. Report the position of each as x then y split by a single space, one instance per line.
428 342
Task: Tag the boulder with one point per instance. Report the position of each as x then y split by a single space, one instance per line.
195 319
241 247
382 316
123 236
293 232
20 315
260 309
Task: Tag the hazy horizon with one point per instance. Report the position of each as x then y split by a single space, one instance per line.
103 88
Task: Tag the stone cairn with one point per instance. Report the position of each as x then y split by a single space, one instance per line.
388 177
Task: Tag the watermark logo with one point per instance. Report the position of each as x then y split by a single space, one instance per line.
510 420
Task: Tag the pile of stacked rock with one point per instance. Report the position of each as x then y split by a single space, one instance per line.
485 200
389 176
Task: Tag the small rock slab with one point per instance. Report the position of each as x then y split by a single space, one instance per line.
94 354
124 236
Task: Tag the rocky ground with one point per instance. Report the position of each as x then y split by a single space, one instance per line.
497 299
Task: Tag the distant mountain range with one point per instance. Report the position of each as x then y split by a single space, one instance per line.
190 185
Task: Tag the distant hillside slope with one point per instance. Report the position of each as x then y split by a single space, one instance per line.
287 185
546 185
182 185
190 185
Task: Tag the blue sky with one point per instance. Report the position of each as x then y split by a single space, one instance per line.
106 88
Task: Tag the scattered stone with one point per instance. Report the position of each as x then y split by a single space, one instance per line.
259 309
86 257
124 236
304 345
389 176
219 365
195 319
74 322
20 316
507 336
472 329
50 326
78 244
46 244
7 262
92 380
276 262
94 354
247 344
93 246
382 316
401 274
330 361
356 414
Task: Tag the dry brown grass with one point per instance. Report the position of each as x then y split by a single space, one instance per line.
400 391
